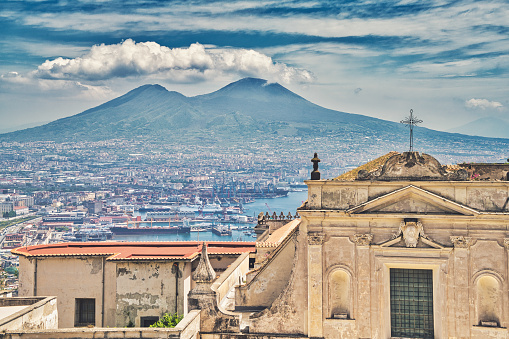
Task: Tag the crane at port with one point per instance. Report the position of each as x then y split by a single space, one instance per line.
270 211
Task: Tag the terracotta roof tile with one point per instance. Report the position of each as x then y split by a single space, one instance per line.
184 250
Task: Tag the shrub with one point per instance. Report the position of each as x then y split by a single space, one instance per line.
168 320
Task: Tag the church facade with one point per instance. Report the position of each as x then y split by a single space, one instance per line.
406 248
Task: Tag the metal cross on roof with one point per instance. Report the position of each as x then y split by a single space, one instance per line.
411 121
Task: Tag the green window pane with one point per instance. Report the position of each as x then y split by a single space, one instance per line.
411 303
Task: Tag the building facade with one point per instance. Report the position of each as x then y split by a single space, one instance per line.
111 284
402 249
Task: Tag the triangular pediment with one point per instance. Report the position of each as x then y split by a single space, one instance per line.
412 200
424 242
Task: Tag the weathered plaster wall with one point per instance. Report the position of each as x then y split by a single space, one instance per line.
82 277
221 262
40 313
269 281
187 285
148 289
110 292
288 314
26 277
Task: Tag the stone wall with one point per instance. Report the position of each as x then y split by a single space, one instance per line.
288 313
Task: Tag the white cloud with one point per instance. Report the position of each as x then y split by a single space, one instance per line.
483 104
197 62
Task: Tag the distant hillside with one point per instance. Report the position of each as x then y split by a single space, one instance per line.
248 109
488 126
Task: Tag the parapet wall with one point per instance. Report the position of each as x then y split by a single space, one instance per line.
268 281
233 276
188 328
37 313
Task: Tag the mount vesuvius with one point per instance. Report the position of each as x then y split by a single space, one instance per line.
248 109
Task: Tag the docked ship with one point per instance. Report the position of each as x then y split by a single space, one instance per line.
126 230
169 215
89 233
211 208
201 227
221 230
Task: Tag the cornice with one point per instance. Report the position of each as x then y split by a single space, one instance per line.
342 214
480 183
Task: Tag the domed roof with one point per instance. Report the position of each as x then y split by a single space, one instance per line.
412 166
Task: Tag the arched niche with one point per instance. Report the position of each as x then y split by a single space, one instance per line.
488 300
340 294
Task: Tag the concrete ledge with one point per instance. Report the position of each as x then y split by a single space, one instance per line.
481 332
79 333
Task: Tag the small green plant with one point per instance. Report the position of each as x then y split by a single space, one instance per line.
168 320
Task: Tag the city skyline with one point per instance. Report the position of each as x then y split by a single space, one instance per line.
445 59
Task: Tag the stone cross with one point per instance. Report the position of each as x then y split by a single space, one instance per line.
411 121
315 174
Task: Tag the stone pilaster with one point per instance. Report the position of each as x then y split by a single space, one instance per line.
362 239
461 285
506 243
461 241
363 314
315 284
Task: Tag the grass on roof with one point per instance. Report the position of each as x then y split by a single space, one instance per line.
369 166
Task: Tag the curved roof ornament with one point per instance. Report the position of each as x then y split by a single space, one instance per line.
204 271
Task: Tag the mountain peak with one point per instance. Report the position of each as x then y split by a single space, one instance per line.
249 83
253 87
149 87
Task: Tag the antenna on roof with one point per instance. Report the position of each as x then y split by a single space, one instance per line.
411 121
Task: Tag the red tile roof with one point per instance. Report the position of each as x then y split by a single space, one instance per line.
180 250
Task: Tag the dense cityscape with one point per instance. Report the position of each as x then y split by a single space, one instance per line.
53 192
95 190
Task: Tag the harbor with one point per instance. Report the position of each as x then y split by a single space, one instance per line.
196 225
202 229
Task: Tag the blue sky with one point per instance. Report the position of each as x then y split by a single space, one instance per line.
448 60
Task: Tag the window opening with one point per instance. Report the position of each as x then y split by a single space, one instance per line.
85 312
411 303
147 321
